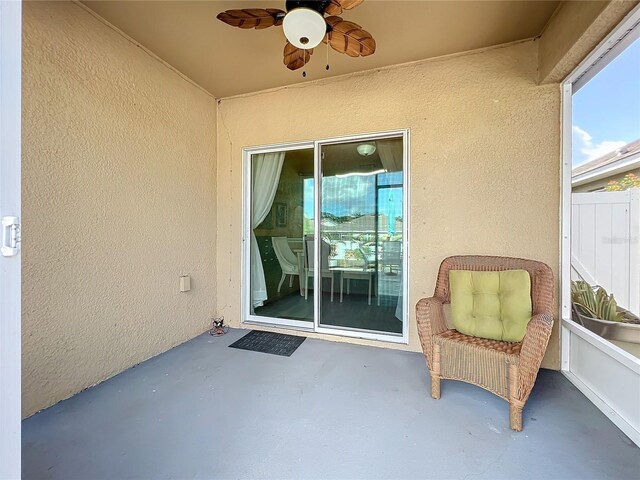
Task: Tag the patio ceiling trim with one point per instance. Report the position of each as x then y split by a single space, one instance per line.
573 33
79 4
613 48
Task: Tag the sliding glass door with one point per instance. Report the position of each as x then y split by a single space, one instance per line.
361 232
325 236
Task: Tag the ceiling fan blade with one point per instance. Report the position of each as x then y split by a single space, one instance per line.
257 18
336 7
348 37
295 58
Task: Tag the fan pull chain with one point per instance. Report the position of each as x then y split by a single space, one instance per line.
327 67
304 63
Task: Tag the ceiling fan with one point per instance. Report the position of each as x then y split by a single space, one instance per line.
306 24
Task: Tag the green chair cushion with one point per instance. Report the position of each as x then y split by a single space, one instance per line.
495 305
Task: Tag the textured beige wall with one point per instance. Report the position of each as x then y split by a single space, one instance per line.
485 169
576 28
119 200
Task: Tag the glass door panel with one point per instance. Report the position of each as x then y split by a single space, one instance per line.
280 213
361 236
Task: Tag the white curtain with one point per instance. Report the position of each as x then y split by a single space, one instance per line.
390 153
400 304
265 176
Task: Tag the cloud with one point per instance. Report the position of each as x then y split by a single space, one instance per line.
584 149
348 195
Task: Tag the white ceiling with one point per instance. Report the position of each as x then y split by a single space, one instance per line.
229 61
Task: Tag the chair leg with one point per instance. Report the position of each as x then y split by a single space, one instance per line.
284 275
435 373
290 281
515 417
306 287
515 405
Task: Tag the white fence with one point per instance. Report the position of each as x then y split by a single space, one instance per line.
605 228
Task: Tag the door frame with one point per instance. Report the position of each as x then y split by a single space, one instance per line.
10 267
579 346
252 319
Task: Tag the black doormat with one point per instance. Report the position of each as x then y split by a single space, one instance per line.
269 342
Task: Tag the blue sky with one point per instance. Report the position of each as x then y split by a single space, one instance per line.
606 111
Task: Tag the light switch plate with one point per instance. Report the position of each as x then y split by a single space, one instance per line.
185 283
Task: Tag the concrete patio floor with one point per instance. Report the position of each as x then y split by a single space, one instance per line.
331 410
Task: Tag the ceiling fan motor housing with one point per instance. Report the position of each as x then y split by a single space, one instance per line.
318 6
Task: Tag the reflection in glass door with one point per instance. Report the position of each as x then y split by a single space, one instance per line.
361 233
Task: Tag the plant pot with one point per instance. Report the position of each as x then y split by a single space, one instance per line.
619 331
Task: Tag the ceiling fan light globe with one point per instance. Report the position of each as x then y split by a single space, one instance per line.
304 28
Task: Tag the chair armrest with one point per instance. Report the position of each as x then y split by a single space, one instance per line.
533 349
431 321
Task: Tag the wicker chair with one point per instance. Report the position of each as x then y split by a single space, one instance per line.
508 369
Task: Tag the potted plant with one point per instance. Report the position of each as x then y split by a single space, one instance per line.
598 311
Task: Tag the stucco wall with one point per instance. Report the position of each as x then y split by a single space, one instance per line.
485 169
119 200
